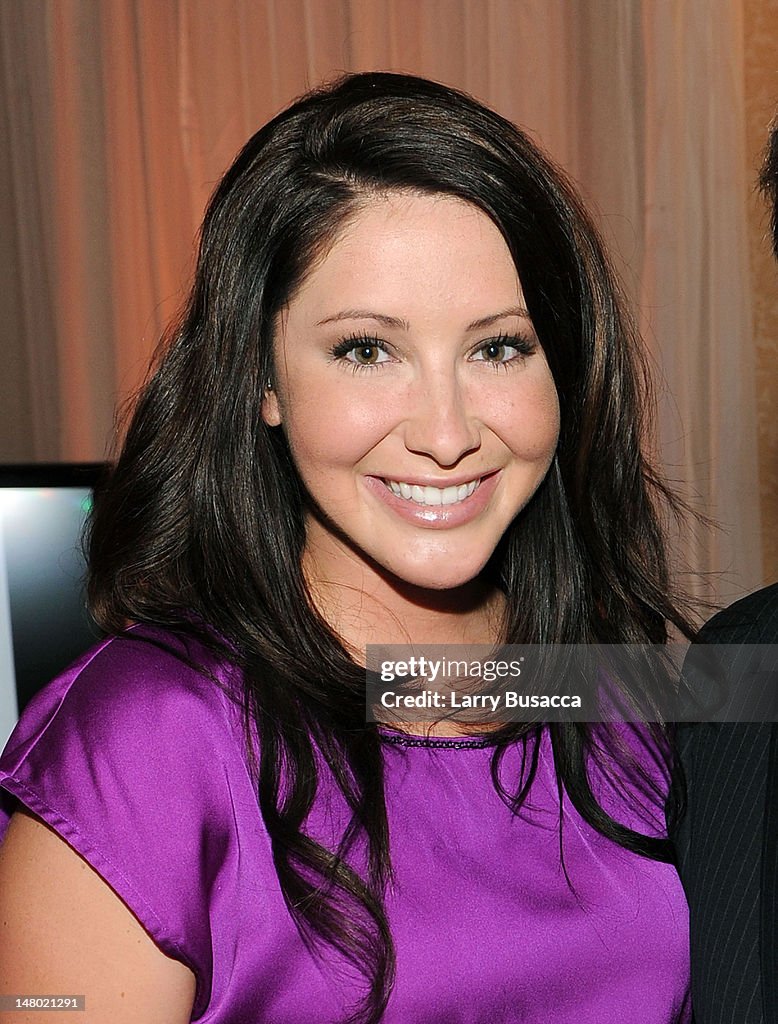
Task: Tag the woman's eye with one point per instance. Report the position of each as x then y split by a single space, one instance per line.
361 352
366 355
494 353
503 350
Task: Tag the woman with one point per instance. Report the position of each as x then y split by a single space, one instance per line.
402 406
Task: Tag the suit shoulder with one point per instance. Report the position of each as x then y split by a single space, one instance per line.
752 619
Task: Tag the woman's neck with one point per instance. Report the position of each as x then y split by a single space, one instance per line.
368 606
364 604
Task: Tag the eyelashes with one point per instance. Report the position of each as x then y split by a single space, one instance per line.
363 342
374 352
522 344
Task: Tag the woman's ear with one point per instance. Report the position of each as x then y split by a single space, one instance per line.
270 408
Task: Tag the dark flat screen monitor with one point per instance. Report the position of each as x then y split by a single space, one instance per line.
44 624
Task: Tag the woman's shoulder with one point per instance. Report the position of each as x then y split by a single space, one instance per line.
144 712
147 682
150 662
135 757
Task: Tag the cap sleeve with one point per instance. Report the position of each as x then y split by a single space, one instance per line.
128 757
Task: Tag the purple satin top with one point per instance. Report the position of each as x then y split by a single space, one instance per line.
137 761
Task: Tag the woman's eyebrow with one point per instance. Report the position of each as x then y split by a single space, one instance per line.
393 321
365 314
487 321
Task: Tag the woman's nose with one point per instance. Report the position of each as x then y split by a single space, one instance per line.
438 421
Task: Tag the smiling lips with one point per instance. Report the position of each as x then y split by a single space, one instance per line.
432 495
437 508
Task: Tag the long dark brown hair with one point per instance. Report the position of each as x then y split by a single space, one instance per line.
201 526
768 181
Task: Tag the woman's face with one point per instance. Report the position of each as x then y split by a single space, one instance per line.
415 397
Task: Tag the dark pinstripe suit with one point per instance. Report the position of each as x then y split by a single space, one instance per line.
728 845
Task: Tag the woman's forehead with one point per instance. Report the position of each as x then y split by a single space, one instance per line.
402 253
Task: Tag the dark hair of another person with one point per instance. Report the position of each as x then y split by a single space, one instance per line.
202 520
768 182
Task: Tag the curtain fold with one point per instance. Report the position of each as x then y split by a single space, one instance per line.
31 366
122 114
695 277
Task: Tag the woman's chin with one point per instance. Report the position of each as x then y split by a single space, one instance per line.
438 577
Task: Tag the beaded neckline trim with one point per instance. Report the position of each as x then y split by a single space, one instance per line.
431 741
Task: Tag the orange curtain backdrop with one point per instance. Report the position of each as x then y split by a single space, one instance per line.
122 114
761 67
695 281
29 363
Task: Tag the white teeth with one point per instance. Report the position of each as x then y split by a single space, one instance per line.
432 495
